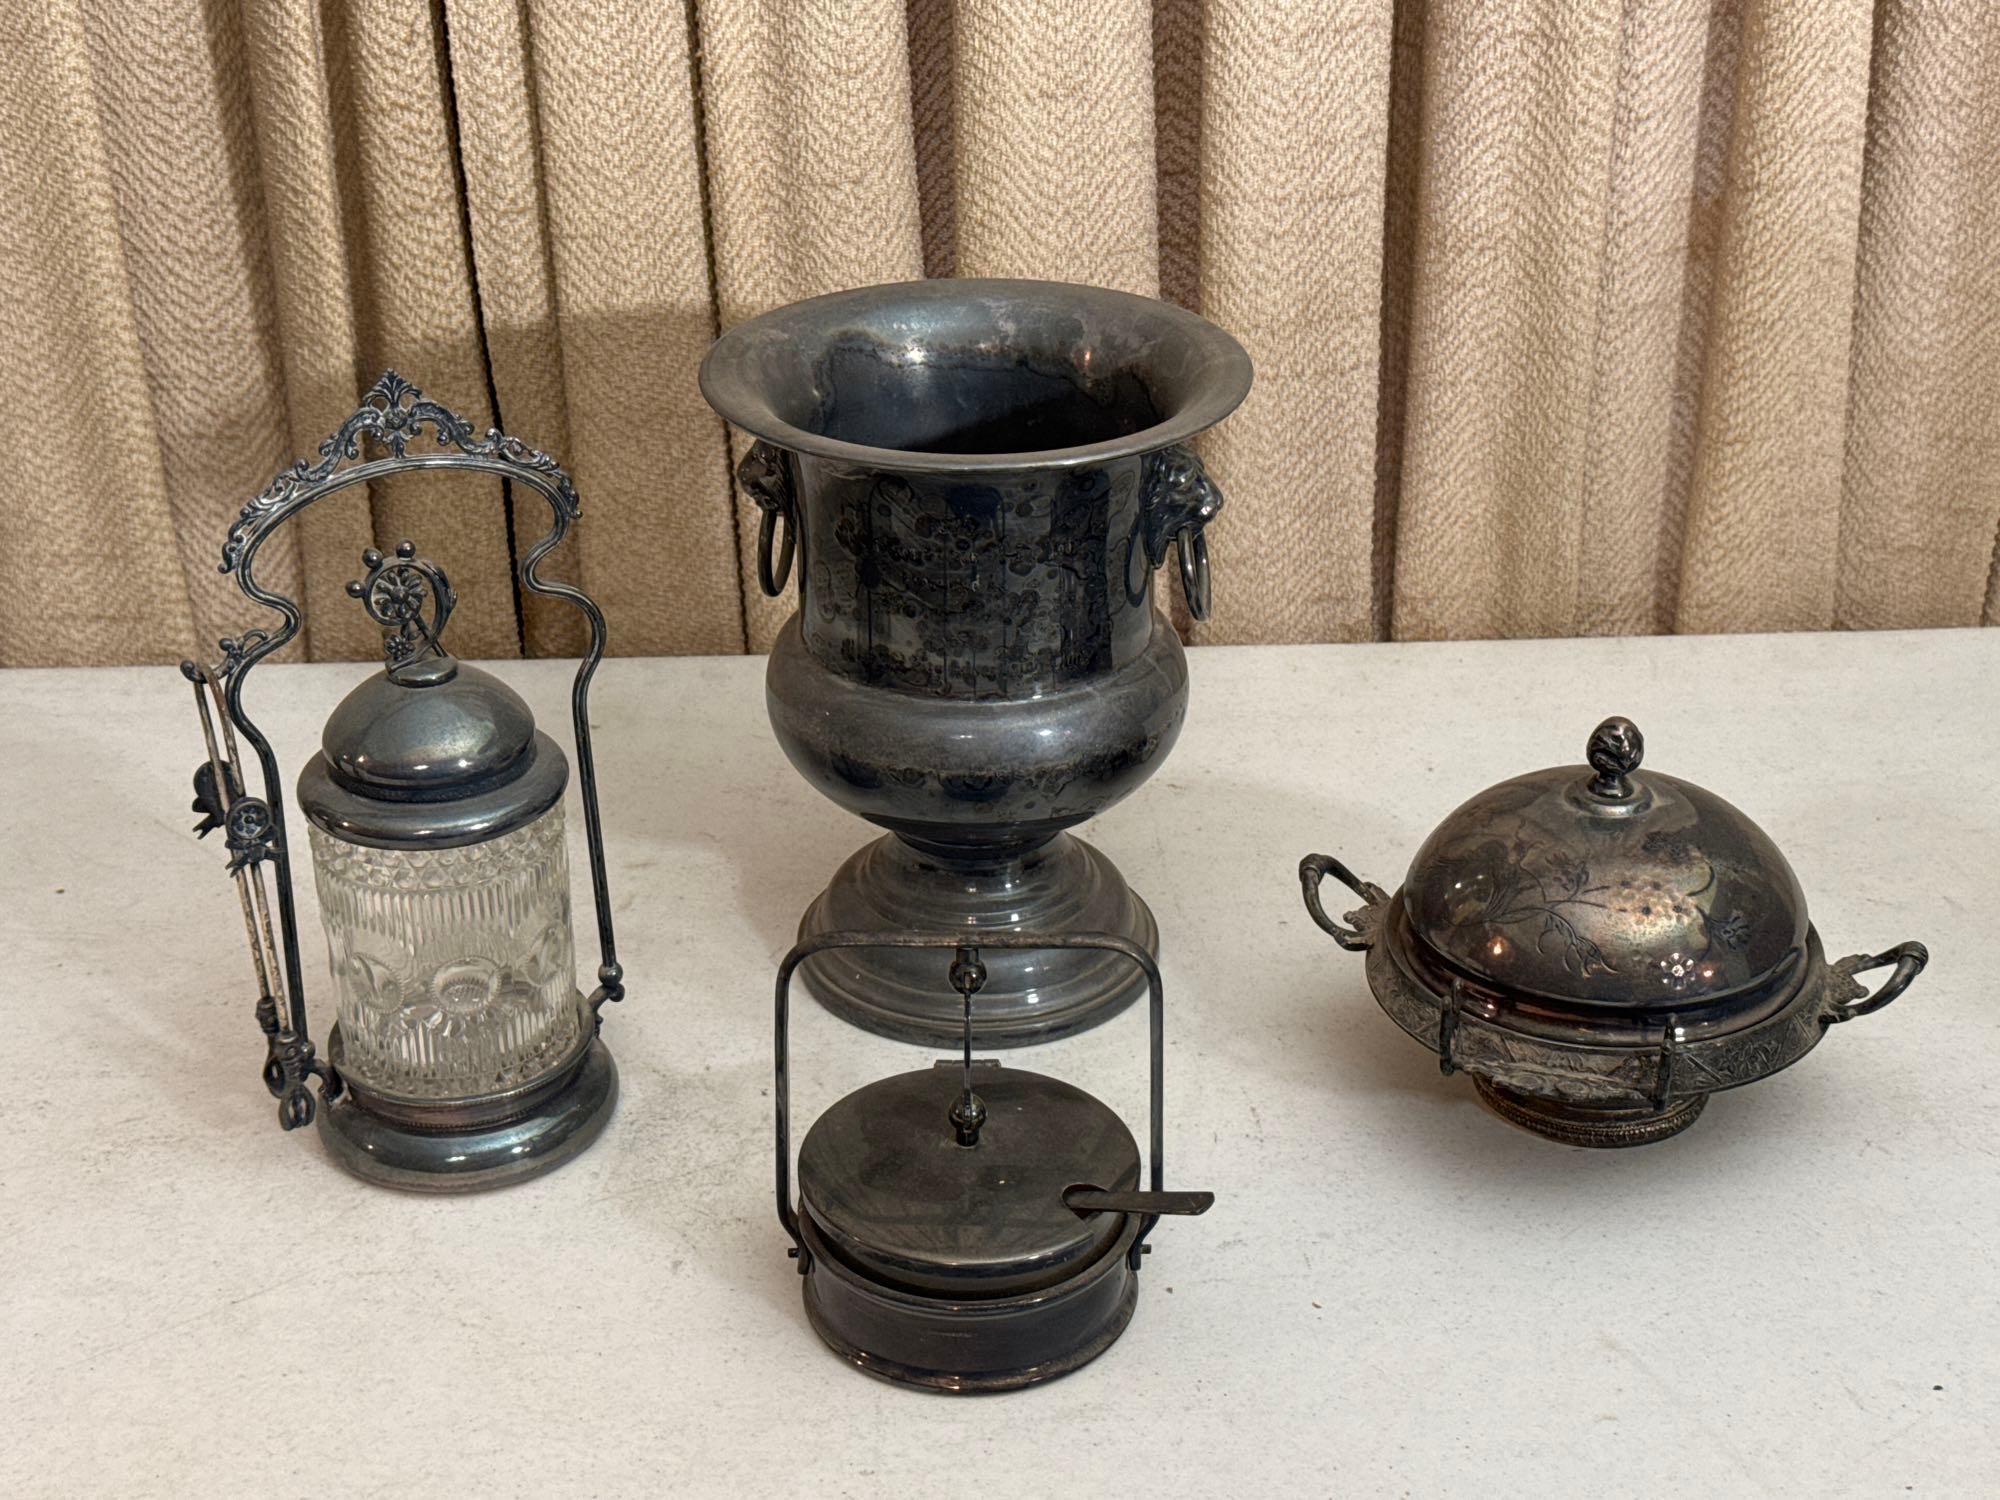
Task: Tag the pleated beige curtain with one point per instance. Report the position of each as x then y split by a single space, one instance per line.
1569 316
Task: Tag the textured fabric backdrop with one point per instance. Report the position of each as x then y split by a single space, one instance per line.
1569 316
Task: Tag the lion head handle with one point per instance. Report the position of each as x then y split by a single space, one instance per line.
1180 502
767 481
1180 497
762 475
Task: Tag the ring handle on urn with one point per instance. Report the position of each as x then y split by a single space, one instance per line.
1909 960
767 481
1314 869
1180 502
1197 587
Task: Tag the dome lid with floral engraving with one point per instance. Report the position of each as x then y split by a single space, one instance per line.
1606 889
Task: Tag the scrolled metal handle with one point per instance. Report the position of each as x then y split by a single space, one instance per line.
1314 869
766 480
1909 959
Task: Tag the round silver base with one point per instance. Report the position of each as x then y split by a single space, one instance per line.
1574 1125
472 1160
974 1346
1031 995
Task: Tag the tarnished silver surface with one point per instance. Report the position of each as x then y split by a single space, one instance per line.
975 481
970 1227
430 754
484 810
973 1344
894 1193
1602 948
1589 1069
1664 898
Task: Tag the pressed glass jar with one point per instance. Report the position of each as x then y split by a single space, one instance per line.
453 967
435 810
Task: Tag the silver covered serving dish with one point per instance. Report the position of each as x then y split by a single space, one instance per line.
1602 947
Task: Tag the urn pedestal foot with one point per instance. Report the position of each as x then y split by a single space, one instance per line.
1575 1126
1030 996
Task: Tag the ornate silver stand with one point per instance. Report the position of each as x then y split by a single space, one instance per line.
432 1144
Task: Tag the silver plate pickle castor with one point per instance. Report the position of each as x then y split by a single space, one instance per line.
1602 948
970 1227
977 480
464 1055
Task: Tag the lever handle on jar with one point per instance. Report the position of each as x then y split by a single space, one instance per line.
1083 1200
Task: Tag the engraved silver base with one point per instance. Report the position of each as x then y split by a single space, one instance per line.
1576 1126
1030 996
555 1124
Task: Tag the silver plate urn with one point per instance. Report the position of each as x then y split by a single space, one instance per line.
1602 947
978 480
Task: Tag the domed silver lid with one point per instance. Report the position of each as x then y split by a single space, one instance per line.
1606 888
429 752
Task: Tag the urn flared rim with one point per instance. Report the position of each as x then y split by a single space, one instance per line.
1194 371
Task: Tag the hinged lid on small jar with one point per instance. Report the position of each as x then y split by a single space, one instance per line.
970 1227
888 1186
1602 947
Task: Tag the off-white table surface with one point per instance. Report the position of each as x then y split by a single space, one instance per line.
1394 1294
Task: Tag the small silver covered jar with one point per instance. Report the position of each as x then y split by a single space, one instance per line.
1602 948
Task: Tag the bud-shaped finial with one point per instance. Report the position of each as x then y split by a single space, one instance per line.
1616 747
